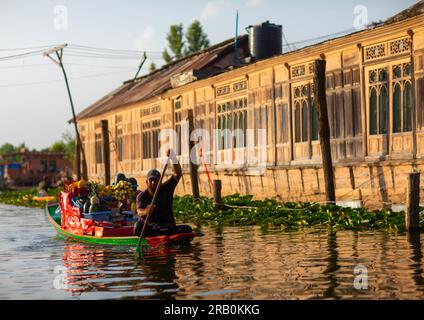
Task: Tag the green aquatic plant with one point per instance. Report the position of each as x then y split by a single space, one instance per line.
24 198
240 210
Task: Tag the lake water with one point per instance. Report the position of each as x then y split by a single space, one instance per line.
222 263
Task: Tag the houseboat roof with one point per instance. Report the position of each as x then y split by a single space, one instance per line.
157 82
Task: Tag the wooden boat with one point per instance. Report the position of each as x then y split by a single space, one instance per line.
38 199
132 240
46 199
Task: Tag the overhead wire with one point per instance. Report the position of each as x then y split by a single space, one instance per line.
68 64
299 44
28 48
88 48
73 78
20 55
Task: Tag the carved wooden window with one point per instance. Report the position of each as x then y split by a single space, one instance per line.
399 46
232 123
155 138
378 101
155 109
151 143
298 124
118 118
387 49
177 120
314 129
305 127
120 143
306 116
302 70
147 153
98 148
402 98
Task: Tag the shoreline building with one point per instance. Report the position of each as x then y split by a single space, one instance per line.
375 96
27 168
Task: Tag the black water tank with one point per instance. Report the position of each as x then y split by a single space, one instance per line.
265 40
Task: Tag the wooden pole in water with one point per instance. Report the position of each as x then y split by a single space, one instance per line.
193 166
319 90
78 159
412 221
217 200
106 150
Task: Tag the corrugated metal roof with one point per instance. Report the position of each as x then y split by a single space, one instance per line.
413 11
158 82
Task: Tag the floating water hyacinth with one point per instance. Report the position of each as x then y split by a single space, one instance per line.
243 210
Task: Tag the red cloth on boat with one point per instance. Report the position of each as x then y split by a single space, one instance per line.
113 232
71 216
87 226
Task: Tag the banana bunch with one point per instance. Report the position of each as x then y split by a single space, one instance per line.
105 191
122 190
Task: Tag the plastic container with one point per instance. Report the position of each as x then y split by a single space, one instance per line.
130 216
77 203
98 216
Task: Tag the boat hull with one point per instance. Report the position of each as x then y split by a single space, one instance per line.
118 241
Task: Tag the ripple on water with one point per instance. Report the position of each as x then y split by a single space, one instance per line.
223 263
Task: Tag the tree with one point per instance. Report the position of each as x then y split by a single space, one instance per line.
10 148
7 148
152 67
58 146
197 40
66 145
175 40
166 56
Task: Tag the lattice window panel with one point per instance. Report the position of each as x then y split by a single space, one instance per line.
386 49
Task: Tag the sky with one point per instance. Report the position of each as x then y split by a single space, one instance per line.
34 104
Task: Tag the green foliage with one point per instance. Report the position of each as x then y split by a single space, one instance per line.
243 211
10 148
7 148
23 198
175 42
197 40
152 67
166 56
66 145
58 146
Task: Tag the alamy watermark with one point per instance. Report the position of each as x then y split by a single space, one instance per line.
360 13
243 148
361 279
59 281
60 21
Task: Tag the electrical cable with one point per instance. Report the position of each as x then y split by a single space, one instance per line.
111 50
52 81
68 64
17 56
28 48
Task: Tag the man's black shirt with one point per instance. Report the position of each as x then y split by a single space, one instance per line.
162 215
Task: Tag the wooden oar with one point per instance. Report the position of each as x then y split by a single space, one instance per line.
153 202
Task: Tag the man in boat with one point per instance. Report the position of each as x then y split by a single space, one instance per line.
161 219
43 187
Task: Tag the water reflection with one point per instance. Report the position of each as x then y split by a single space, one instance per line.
149 274
332 265
414 239
251 263
222 263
